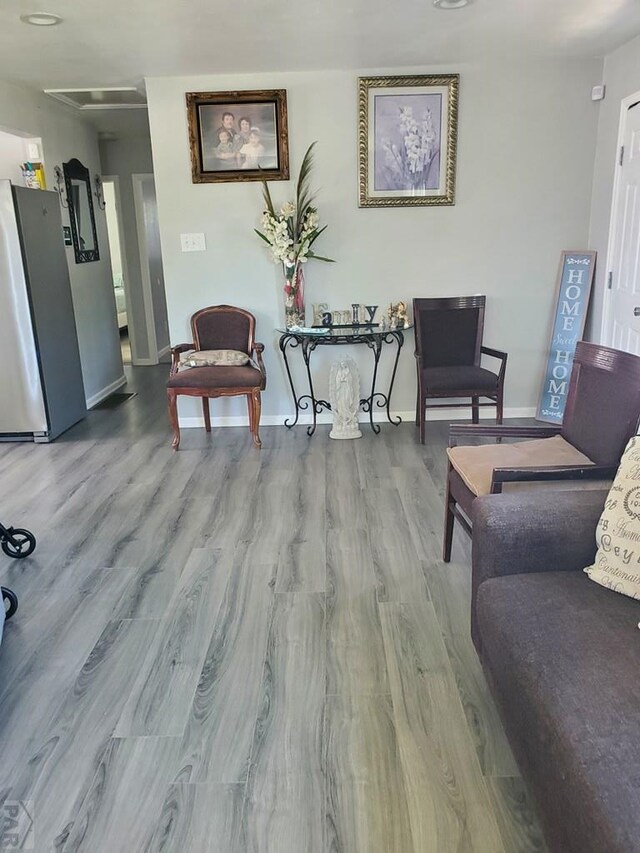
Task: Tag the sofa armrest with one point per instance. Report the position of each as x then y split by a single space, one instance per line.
520 534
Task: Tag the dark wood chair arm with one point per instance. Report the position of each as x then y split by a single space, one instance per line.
175 355
497 353
496 431
550 474
257 350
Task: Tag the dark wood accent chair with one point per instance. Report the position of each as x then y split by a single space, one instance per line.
601 414
219 327
448 334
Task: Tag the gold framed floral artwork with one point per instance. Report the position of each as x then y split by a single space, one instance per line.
407 139
238 136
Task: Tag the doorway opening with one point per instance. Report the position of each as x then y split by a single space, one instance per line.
151 268
621 321
127 164
111 191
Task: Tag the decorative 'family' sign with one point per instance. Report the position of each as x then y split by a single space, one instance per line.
574 286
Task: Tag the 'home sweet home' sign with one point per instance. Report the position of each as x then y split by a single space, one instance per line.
574 286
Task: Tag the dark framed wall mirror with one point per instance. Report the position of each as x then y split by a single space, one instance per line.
82 220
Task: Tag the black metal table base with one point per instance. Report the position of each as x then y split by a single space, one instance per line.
375 340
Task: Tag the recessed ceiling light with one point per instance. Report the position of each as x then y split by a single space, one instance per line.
41 19
450 4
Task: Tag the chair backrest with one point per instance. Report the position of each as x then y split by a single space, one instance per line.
603 402
223 327
448 330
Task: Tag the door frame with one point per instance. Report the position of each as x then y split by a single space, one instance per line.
606 330
143 252
131 326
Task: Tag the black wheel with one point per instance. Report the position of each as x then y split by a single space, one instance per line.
19 544
10 600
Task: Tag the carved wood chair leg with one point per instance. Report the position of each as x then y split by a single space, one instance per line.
423 419
250 411
449 520
418 404
255 427
173 418
475 410
207 414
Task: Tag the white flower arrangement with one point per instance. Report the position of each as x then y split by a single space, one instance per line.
292 232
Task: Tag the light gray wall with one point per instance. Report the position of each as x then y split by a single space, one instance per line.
125 157
65 136
527 139
622 78
13 152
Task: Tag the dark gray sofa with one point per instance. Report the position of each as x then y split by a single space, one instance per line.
562 657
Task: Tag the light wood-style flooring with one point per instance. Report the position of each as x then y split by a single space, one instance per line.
239 651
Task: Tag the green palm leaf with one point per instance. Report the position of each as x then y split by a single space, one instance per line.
304 206
266 193
320 258
261 235
316 234
304 196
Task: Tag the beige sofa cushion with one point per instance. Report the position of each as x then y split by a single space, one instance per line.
475 464
617 564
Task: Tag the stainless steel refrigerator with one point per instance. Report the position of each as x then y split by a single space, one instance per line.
41 389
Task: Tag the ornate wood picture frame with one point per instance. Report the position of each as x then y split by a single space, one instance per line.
407 140
238 136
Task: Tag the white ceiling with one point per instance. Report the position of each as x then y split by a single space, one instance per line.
118 123
119 42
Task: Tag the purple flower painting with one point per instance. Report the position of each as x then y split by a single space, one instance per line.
407 142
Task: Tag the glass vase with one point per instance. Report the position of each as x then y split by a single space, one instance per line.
294 312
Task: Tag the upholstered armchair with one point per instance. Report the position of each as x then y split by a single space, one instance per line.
448 335
220 327
602 412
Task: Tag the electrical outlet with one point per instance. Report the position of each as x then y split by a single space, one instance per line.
192 243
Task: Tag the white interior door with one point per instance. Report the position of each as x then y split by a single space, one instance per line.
623 316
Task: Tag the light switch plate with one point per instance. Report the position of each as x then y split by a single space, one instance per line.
192 243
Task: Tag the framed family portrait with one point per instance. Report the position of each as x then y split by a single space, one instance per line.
238 136
407 137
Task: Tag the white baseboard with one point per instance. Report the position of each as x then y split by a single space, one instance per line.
109 389
164 351
325 417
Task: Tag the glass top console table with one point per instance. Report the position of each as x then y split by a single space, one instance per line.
307 340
